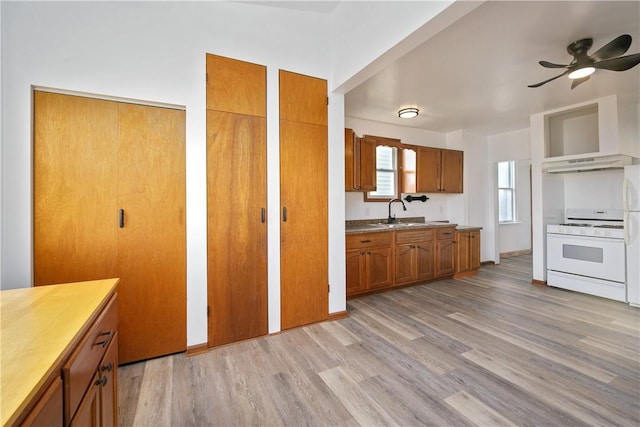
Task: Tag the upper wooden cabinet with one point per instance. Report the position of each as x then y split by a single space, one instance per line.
236 86
431 170
451 171
303 99
360 162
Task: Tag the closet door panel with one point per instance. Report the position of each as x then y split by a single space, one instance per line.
151 238
237 227
303 98
304 234
74 206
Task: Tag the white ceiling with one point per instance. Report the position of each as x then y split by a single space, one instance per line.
474 74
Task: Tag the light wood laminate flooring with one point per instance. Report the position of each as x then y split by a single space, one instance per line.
489 350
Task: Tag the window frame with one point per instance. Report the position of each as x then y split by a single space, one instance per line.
393 143
510 188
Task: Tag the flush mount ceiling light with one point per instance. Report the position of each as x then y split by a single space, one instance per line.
408 113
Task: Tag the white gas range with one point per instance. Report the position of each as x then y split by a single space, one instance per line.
587 253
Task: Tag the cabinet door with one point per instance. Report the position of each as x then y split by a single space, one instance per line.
88 413
304 286
109 384
356 276
48 410
75 208
152 237
379 267
368 173
445 257
405 270
425 260
452 168
236 227
462 251
474 250
351 161
428 170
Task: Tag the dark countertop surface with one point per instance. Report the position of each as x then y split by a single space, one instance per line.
380 225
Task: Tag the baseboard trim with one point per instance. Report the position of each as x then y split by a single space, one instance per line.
338 315
194 350
488 263
538 282
515 253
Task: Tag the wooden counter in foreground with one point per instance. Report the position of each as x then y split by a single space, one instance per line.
47 330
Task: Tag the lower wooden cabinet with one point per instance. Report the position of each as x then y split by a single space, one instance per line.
445 252
90 374
467 253
48 411
369 262
414 253
386 259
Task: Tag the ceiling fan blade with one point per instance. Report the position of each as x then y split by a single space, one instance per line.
548 64
619 64
576 82
547 81
615 47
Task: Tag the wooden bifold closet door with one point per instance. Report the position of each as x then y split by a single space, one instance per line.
109 201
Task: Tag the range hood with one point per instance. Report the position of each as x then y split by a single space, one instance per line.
586 164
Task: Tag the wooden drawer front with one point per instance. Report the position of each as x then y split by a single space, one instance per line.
413 236
83 363
357 241
446 234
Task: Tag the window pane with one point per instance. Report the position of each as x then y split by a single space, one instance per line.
386 184
505 203
385 158
505 174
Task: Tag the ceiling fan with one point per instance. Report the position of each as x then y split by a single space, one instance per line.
583 65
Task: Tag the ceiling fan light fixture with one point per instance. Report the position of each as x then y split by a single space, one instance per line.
581 73
408 113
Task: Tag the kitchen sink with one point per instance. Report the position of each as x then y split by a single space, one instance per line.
393 225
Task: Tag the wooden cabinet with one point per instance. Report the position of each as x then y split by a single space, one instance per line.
467 253
360 162
445 248
369 262
90 374
414 255
109 201
430 170
48 411
236 222
304 281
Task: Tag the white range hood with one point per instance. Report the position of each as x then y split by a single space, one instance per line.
589 163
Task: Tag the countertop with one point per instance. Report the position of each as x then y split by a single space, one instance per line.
39 326
375 226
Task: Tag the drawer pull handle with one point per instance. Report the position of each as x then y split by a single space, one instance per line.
107 368
447 234
102 381
104 342
365 241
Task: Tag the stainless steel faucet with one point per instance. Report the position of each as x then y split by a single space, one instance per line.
392 219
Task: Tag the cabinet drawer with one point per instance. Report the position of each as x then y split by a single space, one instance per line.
446 233
357 241
81 366
413 236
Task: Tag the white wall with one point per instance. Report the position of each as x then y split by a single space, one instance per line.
514 146
156 51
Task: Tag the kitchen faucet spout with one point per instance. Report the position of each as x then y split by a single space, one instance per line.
391 219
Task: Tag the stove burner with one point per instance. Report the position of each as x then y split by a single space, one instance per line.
574 224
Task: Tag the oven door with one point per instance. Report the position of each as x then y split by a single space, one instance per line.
587 256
